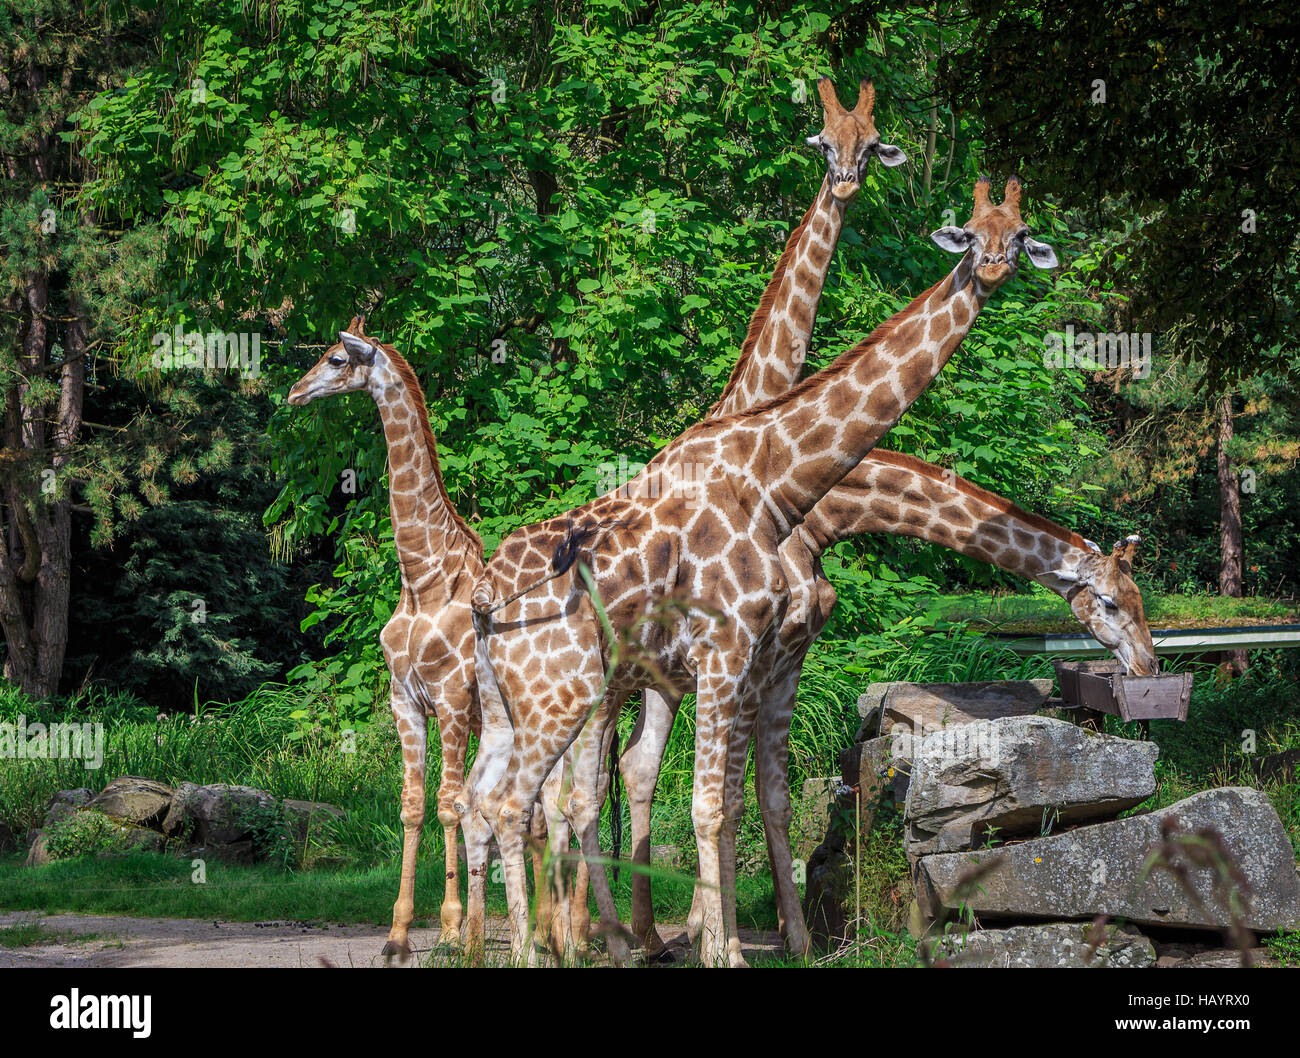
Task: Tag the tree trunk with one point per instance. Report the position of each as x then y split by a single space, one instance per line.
1230 539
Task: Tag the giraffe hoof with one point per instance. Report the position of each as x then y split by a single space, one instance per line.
396 949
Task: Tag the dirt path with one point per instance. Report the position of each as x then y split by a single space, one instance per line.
119 940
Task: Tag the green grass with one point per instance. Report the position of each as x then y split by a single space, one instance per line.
161 885
1041 610
351 872
35 932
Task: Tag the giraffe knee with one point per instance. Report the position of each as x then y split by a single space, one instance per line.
412 812
707 821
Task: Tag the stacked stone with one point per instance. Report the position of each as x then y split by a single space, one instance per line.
1015 821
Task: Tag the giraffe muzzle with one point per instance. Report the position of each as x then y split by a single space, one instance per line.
844 185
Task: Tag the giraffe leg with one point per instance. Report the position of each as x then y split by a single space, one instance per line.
478 842
413 729
543 906
733 811
715 713
589 789
639 765
772 767
453 734
559 922
479 803
512 822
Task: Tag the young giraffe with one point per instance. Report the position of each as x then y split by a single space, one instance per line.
428 643
778 333
540 657
902 496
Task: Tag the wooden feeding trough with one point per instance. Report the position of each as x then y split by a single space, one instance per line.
1101 687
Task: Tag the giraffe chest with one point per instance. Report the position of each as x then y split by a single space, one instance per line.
434 652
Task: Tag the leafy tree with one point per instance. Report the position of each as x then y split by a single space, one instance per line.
1172 126
563 217
62 277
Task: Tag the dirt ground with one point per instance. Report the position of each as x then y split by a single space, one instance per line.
118 940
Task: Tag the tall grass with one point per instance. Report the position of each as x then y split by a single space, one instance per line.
266 742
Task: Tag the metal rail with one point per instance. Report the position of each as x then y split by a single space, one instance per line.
1166 640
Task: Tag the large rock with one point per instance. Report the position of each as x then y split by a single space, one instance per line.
1048 945
89 832
240 853
64 803
1097 870
1016 775
217 814
178 822
78 798
871 770
133 800
38 855
926 707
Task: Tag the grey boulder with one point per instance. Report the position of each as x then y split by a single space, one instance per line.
1018 775
1098 870
1066 944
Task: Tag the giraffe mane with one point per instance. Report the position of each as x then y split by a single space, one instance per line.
969 488
407 374
764 310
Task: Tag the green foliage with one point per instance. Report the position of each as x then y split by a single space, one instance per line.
87 834
563 219
1284 946
1179 159
189 602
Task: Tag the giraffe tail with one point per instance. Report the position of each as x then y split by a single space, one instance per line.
570 548
615 803
481 600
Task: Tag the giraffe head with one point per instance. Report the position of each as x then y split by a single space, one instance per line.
993 239
347 366
849 139
1103 596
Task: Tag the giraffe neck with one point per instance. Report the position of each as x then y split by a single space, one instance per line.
813 435
776 344
892 493
434 544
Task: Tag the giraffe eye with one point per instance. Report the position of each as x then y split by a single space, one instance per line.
338 361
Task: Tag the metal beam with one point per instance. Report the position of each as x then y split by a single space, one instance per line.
1166 640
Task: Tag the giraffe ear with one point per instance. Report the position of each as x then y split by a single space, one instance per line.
1039 253
1058 580
358 348
890 155
958 240
952 239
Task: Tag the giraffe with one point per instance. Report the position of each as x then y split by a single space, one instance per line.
896 494
428 642
704 558
778 334
771 358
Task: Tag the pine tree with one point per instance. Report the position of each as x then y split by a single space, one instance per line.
57 270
